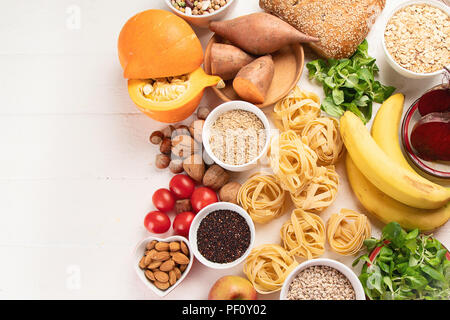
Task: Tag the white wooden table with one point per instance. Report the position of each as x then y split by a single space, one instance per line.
76 168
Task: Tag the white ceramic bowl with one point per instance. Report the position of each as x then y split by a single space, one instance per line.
139 252
403 71
228 106
346 271
196 224
203 20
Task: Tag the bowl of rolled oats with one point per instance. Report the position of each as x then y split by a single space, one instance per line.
200 12
416 39
236 135
322 279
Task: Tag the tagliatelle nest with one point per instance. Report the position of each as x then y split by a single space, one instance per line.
297 109
304 235
320 193
268 266
322 135
292 161
346 231
262 197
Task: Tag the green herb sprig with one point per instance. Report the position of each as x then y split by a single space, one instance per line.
349 84
409 266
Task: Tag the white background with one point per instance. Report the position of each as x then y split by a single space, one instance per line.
76 168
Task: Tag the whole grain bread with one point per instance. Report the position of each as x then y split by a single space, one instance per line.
341 25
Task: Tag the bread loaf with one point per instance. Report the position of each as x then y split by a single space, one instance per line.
341 25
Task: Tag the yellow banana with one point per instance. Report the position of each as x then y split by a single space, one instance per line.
385 129
385 174
387 209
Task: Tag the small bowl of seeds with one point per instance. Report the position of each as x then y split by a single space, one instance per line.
322 279
416 39
162 264
236 135
222 235
200 12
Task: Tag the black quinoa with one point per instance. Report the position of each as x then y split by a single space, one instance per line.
223 236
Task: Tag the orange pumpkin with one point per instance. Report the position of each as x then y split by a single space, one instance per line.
157 44
161 56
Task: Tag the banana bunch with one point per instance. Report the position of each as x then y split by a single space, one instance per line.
383 180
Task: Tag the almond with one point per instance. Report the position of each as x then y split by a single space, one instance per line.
161 256
162 246
180 258
184 248
167 265
172 278
161 276
174 246
154 265
161 285
142 264
150 276
177 272
151 244
148 259
183 267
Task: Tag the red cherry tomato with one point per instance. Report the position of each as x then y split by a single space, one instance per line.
182 223
157 222
163 200
182 186
203 197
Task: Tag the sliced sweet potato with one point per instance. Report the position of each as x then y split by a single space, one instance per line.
431 137
227 60
259 33
253 81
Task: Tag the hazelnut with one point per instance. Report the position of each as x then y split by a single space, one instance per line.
196 130
167 131
183 146
162 161
215 177
156 137
166 146
176 166
229 192
203 113
183 206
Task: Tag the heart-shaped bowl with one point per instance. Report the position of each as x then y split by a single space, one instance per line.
139 252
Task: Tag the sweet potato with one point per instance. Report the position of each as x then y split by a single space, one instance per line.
259 33
431 136
253 81
227 60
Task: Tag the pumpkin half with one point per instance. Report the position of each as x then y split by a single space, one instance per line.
171 99
161 56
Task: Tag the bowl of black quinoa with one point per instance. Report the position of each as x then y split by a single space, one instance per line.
222 235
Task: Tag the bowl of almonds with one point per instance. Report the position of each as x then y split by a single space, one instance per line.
162 264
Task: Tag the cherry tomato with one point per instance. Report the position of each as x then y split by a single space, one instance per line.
163 200
182 186
157 222
182 223
203 197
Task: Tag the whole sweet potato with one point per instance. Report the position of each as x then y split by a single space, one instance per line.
253 81
227 60
259 33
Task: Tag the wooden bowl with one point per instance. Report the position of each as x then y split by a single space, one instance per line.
288 62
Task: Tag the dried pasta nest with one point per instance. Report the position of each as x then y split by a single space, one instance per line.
322 135
346 231
304 235
320 193
268 266
292 161
297 109
262 197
